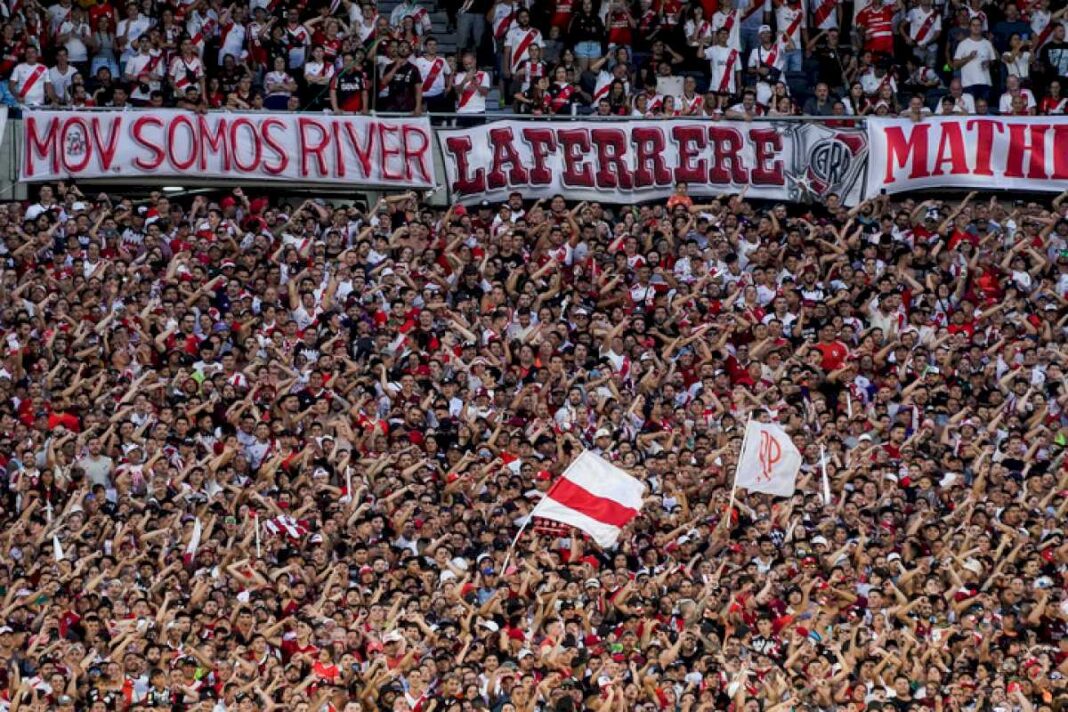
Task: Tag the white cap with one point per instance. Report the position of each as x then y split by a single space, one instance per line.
34 211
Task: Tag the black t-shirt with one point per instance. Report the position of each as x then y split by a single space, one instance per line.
350 86
400 94
830 62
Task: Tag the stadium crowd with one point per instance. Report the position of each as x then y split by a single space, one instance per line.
265 455
612 58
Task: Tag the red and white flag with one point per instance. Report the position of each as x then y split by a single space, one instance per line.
769 461
594 496
286 526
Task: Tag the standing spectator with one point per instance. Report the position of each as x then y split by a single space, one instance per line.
1054 55
766 63
586 35
790 26
973 57
318 74
74 35
835 64
436 75
471 24
518 42
922 31
470 85
348 89
402 82
102 45
187 70
876 23
725 67
61 77
281 85
1017 58
411 8
30 83
130 29
296 40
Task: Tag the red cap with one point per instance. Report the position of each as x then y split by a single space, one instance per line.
227 202
543 476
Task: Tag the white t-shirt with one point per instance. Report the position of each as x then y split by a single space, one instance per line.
1005 104
61 82
725 62
471 100
974 73
441 80
75 44
30 81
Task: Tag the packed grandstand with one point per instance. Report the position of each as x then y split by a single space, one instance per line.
307 307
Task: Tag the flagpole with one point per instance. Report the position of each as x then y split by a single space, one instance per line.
256 518
530 517
734 487
515 541
826 482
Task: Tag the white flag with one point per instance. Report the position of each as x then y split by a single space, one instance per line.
57 549
769 461
595 496
194 543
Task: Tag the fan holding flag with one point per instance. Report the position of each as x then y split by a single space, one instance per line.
769 462
592 495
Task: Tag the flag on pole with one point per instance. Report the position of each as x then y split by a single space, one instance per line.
595 496
57 549
769 461
194 543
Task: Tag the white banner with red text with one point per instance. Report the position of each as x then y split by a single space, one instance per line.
295 148
984 152
631 161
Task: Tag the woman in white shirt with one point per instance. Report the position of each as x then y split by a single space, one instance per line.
74 34
279 85
1017 60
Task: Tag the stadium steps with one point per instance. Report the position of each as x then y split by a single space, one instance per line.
446 40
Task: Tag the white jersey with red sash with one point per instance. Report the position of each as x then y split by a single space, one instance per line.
825 14
604 85
471 100
690 105
503 22
1042 29
724 62
150 64
30 81
974 14
924 26
1058 107
435 75
730 21
788 19
653 102
185 72
697 31
753 12
521 40
773 57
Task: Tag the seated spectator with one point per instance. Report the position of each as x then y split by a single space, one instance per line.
1013 90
